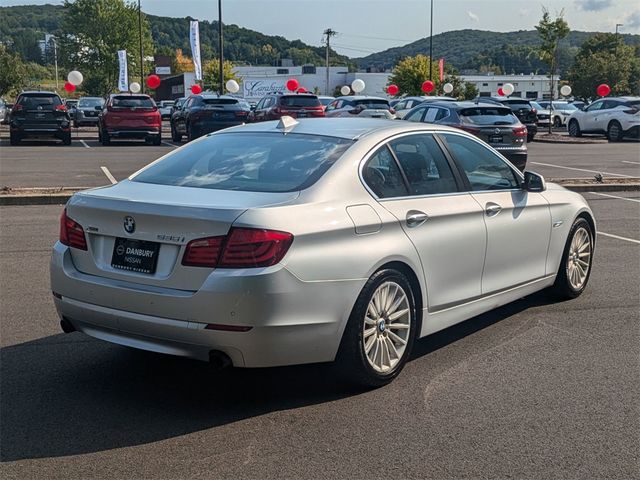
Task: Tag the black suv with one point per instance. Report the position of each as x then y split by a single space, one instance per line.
206 113
39 114
522 109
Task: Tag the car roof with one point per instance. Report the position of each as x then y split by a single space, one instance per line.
464 104
37 92
208 96
360 97
347 128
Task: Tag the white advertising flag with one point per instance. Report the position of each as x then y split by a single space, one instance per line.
123 77
194 37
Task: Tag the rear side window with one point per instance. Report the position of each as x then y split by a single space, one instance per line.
251 162
424 165
488 116
299 101
90 102
132 101
415 115
484 169
44 102
382 175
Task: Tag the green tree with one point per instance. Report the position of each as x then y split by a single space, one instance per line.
409 74
604 58
94 31
551 32
211 74
12 72
461 90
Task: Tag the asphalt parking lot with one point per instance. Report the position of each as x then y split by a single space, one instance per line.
83 164
535 389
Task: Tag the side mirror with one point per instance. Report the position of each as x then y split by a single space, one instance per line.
534 182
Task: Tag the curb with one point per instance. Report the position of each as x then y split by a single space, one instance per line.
570 142
61 198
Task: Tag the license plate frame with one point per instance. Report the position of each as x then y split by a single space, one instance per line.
496 139
133 255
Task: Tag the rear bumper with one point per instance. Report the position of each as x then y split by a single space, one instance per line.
292 322
132 132
25 131
203 127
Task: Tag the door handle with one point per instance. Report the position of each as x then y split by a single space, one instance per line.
492 209
416 218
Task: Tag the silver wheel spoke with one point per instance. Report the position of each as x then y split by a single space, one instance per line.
369 332
393 348
398 326
369 321
398 314
369 344
396 338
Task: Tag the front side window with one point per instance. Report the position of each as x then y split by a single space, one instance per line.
251 162
594 106
382 175
415 115
424 165
484 169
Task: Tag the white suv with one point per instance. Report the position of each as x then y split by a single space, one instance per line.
616 117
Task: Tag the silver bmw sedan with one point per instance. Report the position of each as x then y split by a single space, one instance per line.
293 242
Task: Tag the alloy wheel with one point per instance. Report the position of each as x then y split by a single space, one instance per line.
387 327
579 259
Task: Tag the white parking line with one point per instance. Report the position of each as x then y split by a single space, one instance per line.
111 178
581 170
84 143
627 161
170 144
616 197
620 238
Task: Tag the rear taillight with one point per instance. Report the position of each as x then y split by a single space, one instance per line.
466 128
633 111
520 131
533 110
203 252
241 248
71 232
60 108
242 113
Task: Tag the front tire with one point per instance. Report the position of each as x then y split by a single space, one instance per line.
104 138
175 136
380 333
557 123
574 129
66 139
614 132
14 139
575 267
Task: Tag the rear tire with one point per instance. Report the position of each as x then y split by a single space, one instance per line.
14 139
175 136
574 129
104 138
614 132
380 332
577 259
557 123
66 139
190 135
157 140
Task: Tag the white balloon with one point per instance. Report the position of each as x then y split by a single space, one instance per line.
134 87
232 86
508 89
565 90
357 85
345 90
75 77
447 87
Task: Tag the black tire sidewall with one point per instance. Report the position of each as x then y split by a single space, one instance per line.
351 356
618 137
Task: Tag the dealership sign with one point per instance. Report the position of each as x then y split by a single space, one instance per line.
259 87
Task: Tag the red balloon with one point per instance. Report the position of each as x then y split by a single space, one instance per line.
428 86
392 89
196 89
302 90
69 87
153 81
501 92
292 85
603 90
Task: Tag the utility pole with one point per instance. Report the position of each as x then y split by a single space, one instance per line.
141 57
618 25
220 40
431 45
329 33
55 57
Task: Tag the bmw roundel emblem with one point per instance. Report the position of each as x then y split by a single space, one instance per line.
129 224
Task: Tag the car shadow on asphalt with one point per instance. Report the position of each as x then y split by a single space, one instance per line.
70 394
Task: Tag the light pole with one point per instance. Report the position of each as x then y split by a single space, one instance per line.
141 57
220 40
431 45
55 57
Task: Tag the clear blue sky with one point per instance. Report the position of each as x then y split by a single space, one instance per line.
368 26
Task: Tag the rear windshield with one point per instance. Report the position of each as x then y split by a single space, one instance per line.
519 105
251 162
219 101
32 102
132 101
488 116
166 103
371 103
299 101
90 102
